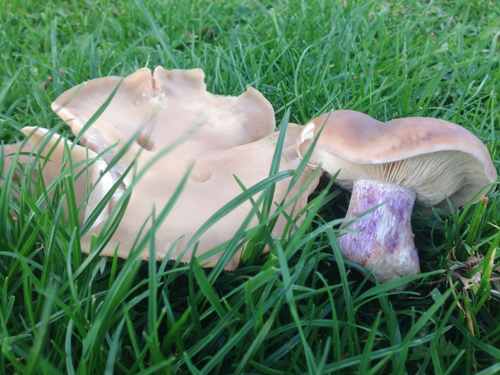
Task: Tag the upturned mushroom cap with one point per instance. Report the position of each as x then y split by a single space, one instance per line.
433 157
52 148
225 136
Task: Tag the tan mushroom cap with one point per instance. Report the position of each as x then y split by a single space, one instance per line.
51 148
435 158
225 136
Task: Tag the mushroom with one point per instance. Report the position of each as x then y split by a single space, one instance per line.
390 167
49 151
225 136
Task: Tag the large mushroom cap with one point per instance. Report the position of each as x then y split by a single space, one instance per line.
433 157
225 136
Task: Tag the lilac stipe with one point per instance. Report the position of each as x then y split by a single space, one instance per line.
381 240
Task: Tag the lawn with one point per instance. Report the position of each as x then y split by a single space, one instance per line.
300 309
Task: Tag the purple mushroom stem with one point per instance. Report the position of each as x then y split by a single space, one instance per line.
382 239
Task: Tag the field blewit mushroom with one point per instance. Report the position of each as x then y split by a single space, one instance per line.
390 167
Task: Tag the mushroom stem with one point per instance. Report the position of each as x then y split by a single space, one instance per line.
381 240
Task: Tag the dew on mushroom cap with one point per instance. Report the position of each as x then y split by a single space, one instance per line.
426 158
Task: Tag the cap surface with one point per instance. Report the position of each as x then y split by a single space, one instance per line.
225 136
434 157
210 186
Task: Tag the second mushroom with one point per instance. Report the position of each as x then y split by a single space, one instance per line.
390 167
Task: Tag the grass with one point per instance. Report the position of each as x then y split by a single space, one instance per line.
300 309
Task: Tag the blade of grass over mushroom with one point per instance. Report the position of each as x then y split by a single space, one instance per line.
6 191
110 165
307 156
252 252
245 195
235 202
254 247
73 214
121 207
96 115
234 243
131 169
299 238
99 243
275 166
290 227
480 194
